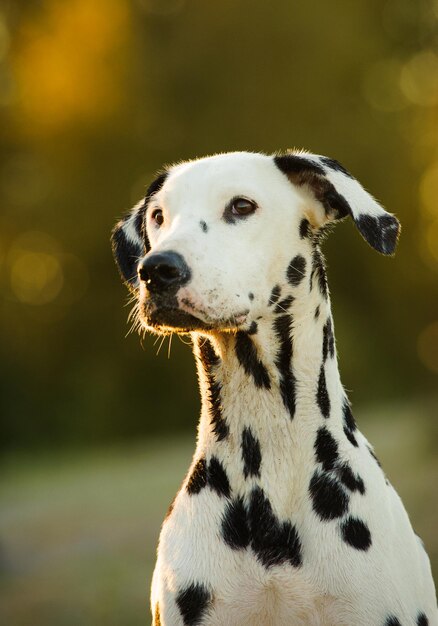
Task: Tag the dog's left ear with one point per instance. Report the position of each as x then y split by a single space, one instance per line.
129 240
339 194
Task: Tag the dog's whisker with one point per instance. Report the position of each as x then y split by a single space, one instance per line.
170 345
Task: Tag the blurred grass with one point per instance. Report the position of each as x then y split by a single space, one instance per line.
79 528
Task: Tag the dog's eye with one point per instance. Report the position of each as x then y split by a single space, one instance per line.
158 217
242 206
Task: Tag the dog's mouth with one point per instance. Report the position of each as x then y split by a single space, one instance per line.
171 317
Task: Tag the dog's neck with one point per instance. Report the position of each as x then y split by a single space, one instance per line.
279 381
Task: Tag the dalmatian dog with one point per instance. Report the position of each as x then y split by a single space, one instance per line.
285 516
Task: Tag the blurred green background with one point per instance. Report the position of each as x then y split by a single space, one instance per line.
95 95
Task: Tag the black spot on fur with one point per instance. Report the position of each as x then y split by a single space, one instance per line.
349 421
328 341
326 449
371 451
283 361
157 617
305 230
251 295
335 165
203 226
391 620
317 312
235 530
351 438
356 533
296 270
283 305
329 499
322 395
273 542
192 602
318 272
380 232
210 360
248 358
252 330
217 478
352 481
422 620
198 477
275 294
251 453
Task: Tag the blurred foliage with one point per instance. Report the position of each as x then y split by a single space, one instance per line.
96 95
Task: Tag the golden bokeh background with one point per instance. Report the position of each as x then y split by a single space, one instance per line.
95 96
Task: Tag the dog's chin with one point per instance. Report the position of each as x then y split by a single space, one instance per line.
171 319
167 318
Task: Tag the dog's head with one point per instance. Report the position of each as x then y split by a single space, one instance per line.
216 239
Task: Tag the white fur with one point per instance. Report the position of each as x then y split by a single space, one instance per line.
337 585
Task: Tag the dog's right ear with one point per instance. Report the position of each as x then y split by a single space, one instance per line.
129 240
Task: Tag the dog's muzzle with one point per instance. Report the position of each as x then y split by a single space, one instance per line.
164 272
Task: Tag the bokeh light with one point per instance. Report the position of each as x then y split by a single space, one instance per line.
427 346
67 62
419 79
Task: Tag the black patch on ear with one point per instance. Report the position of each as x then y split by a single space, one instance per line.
251 454
283 361
155 186
235 530
303 171
247 356
291 164
198 477
329 499
217 478
322 395
381 232
126 252
422 620
335 165
296 270
326 449
356 533
203 226
192 602
209 361
273 542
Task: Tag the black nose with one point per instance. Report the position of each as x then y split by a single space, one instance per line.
162 271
